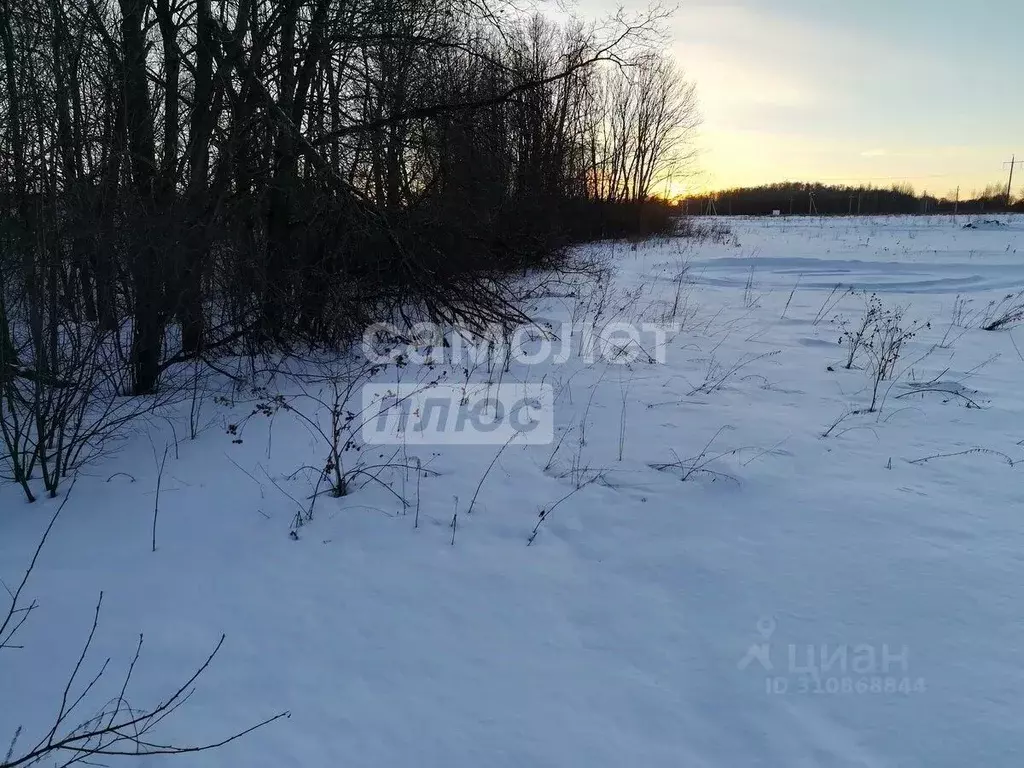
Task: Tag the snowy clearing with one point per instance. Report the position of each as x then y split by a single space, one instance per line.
745 567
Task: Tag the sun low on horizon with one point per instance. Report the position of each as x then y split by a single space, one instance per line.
877 92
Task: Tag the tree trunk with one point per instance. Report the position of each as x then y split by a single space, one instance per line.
190 301
146 267
282 188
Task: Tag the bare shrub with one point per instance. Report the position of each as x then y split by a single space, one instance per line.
855 335
1005 313
700 464
63 386
331 406
884 346
962 319
704 231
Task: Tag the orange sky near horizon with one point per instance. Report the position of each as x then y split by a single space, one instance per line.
865 93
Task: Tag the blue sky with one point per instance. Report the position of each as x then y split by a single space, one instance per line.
926 91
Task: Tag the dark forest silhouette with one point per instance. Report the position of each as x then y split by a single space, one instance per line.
191 177
791 198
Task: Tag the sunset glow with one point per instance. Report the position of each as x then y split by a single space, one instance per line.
823 90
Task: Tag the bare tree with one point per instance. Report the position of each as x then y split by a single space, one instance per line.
181 179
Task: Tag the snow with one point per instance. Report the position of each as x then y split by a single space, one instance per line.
638 626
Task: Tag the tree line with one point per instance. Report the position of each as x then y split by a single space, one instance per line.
191 175
182 180
791 198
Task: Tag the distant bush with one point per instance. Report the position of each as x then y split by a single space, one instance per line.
588 220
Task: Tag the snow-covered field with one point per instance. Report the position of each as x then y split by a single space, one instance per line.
729 586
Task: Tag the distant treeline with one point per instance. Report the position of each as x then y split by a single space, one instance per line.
823 199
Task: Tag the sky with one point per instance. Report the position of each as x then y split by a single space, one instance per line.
929 92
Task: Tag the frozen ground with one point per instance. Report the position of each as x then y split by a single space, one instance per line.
653 621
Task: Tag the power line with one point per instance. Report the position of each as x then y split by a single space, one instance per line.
1013 162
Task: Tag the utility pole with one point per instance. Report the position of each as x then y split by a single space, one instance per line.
1009 184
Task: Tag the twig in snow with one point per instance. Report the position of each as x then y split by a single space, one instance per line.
829 303
246 473
7 629
488 471
952 392
551 458
118 729
156 503
622 416
1014 342
989 451
416 520
455 520
790 299
700 462
545 513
